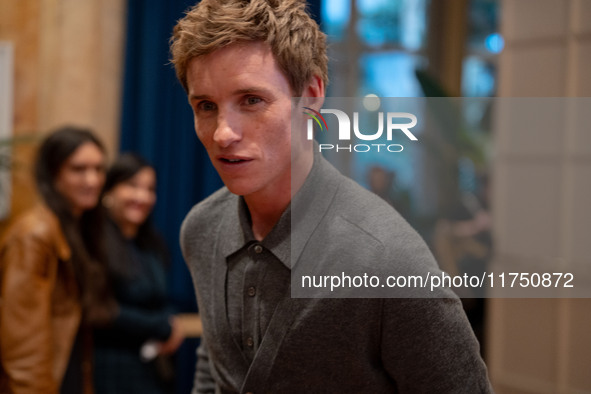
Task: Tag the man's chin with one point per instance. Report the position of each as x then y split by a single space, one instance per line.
239 190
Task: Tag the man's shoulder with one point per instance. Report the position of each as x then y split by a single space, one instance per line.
354 211
361 233
370 213
362 223
208 211
201 225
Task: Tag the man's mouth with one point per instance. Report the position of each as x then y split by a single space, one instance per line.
233 160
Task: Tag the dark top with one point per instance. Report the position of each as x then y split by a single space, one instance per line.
143 316
72 382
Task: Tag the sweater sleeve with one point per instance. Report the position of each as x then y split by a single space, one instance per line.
204 382
428 346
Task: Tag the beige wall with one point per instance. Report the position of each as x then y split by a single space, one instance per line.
542 190
68 70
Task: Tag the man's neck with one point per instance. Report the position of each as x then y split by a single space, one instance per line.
266 207
265 214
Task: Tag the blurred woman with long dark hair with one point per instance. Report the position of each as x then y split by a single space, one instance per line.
53 279
145 325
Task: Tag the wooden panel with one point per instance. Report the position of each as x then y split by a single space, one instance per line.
68 70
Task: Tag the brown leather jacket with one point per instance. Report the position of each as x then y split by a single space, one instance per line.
40 311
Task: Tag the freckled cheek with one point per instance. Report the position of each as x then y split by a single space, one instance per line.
198 127
206 138
203 130
280 133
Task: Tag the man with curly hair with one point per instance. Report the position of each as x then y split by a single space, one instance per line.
241 62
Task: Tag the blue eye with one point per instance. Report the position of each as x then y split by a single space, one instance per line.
206 106
251 100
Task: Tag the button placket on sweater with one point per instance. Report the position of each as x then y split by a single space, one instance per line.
250 316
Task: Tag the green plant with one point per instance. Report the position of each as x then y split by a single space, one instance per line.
8 163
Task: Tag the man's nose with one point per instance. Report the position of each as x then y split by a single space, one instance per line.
227 132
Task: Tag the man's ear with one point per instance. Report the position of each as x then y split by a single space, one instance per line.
313 93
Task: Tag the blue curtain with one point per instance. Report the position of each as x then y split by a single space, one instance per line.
157 123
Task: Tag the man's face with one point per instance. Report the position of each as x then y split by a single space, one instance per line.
242 107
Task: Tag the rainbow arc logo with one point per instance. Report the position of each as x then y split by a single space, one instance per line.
316 115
